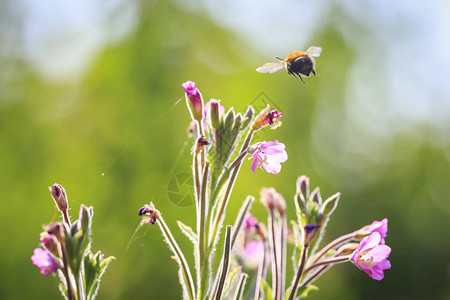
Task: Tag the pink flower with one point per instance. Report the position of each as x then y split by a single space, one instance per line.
194 100
250 221
267 117
371 256
379 226
269 156
44 261
253 253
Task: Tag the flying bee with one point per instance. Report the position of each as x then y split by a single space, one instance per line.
297 63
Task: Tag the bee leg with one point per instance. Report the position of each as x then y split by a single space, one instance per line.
293 74
301 78
315 74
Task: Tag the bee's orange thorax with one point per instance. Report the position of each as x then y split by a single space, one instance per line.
294 55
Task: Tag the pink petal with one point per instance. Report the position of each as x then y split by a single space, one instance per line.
272 167
377 273
380 252
255 161
385 264
370 241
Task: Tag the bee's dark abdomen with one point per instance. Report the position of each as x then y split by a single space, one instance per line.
303 65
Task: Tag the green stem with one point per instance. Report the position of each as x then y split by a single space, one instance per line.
333 260
226 263
260 275
66 217
201 229
299 273
189 283
237 160
196 179
319 271
80 287
282 270
240 288
236 229
333 244
221 210
273 246
71 293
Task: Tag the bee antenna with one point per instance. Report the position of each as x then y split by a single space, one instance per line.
279 58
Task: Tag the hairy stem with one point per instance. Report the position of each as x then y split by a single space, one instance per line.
226 263
187 278
236 229
333 244
274 253
299 273
261 273
333 260
240 288
221 210
283 236
201 229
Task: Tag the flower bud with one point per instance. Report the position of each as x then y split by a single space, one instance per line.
281 206
303 186
310 233
330 205
56 229
316 197
86 214
379 226
248 116
59 196
214 113
150 214
270 198
229 119
50 242
194 100
267 117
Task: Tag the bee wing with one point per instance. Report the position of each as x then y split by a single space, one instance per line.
271 67
314 51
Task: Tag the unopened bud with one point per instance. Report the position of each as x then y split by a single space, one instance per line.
229 119
310 233
248 116
267 117
330 205
215 113
194 100
281 206
59 196
51 243
316 197
270 198
150 214
56 230
86 214
303 186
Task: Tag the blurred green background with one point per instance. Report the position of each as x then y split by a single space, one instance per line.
88 88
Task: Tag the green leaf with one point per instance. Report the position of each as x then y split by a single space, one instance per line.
231 275
303 291
94 268
187 231
266 289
